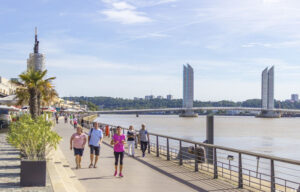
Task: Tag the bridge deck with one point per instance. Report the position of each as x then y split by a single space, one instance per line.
141 174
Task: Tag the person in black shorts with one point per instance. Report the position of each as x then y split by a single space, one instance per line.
78 141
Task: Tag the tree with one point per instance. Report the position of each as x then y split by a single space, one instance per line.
35 90
45 93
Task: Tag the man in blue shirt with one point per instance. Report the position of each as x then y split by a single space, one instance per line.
95 139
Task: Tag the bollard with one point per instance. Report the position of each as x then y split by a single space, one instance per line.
215 164
209 137
157 146
240 171
168 150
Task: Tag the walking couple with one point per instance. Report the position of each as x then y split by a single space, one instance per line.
78 141
143 137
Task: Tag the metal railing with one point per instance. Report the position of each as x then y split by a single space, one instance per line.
244 168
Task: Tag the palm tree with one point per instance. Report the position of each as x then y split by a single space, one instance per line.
46 93
34 90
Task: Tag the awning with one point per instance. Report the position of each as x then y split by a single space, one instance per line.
9 100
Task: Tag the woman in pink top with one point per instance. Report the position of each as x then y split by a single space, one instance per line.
78 140
118 141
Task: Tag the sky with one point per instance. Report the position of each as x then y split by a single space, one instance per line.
133 48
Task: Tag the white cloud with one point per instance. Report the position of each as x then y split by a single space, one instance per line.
88 62
126 16
122 6
124 13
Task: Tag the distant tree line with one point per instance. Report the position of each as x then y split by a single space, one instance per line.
106 103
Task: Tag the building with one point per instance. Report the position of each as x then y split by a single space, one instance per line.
36 60
295 97
169 97
159 97
149 97
7 87
188 91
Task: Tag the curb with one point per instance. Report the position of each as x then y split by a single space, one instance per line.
63 179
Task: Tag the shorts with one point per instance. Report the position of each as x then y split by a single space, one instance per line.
78 151
96 149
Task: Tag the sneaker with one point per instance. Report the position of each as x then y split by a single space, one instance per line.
143 154
115 173
121 175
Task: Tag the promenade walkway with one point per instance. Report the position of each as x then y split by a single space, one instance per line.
140 174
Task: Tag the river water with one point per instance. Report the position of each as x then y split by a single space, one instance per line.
279 137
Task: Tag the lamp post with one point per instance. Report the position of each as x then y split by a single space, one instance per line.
230 158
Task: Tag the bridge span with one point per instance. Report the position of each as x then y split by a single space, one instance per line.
138 111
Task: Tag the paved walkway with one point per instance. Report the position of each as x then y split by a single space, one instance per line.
10 170
140 174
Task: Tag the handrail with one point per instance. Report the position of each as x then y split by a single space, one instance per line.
284 160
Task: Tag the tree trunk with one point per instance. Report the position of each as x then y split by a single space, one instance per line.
38 102
33 102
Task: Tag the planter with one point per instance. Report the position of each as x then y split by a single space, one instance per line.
33 173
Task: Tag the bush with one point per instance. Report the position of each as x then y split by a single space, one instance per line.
33 137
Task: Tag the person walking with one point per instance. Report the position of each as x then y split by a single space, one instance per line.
66 118
131 140
143 138
106 130
118 142
78 141
56 117
71 119
75 122
95 139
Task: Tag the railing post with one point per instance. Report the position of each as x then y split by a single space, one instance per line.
168 149
149 151
196 158
273 188
135 142
157 146
180 153
240 171
215 163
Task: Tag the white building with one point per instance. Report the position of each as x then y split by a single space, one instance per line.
7 87
295 97
169 97
149 97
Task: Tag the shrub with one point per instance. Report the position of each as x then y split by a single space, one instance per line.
33 137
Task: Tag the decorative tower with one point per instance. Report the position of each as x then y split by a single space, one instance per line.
36 60
188 91
267 94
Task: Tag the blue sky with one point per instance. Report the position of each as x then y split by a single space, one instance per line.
128 48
